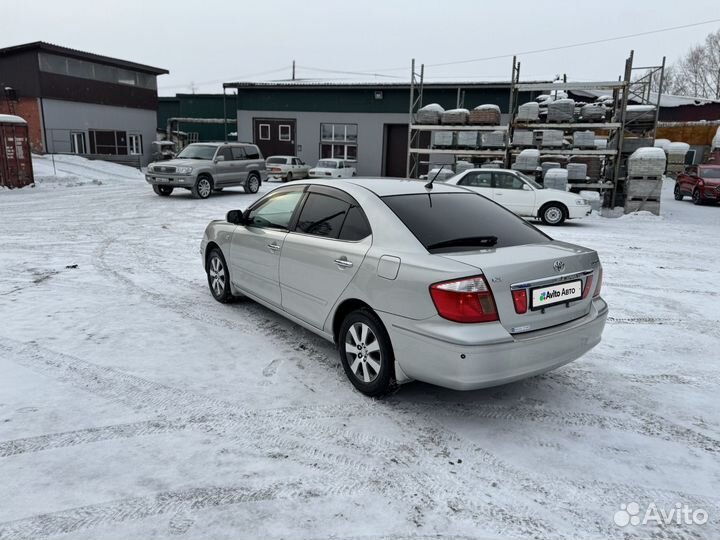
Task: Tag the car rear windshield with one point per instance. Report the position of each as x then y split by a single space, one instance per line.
710 172
327 164
198 151
451 222
279 160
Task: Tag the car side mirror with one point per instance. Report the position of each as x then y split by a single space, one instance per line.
219 158
526 187
236 217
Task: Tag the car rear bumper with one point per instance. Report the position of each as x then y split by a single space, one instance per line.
468 357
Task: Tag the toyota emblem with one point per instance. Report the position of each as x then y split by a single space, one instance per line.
559 266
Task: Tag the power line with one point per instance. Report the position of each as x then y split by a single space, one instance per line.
342 72
249 75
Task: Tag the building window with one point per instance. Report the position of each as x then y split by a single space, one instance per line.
284 132
338 141
264 132
135 145
107 142
77 142
73 67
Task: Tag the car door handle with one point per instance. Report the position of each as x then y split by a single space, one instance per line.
273 246
342 263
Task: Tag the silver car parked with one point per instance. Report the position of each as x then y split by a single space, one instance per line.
436 284
206 167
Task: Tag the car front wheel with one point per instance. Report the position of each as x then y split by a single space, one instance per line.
697 197
163 191
552 214
678 194
218 277
289 177
366 353
202 188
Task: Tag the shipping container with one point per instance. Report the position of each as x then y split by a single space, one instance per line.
15 158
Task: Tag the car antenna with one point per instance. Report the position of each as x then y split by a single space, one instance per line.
429 185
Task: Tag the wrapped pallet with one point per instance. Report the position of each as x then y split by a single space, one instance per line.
495 164
556 179
676 152
646 162
601 143
528 112
593 112
488 115
493 139
454 116
523 138
443 139
429 114
584 139
463 165
661 143
550 137
468 139
640 115
527 160
561 110
546 166
593 166
577 172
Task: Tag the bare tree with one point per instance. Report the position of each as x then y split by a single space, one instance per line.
698 72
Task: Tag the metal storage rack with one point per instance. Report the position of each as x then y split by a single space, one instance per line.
637 89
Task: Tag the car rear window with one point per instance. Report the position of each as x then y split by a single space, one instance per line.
448 222
277 160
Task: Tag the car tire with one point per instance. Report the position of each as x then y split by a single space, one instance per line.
288 178
697 197
366 353
218 277
354 174
203 187
553 214
677 193
252 183
163 191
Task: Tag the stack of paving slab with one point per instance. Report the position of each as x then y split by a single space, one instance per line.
584 139
556 179
561 110
528 112
527 160
593 112
429 114
550 137
443 139
547 165
676 152
468 139
455 117
493 139
577 172
523 138
647 162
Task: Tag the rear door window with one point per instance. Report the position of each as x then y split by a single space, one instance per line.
477 179
238 153
251 152
322 215
451 222
356 226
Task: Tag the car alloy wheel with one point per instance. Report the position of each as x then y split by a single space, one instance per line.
203 187
253 184
696 197
217 276
362 351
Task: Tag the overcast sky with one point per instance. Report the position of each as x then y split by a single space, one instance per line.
205 42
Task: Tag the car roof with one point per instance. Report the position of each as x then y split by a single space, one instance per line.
282 156
383 187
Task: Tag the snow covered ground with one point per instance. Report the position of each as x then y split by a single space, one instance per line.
132 405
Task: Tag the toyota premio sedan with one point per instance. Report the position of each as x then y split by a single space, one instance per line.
437 284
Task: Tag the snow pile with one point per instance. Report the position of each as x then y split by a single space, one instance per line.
485 115
527 160
467 139
577 171
443 138
647 161
11 119
561 110
528 112
584 139
61 170
455 116
430 114
494 139
523 138
556 179
546 166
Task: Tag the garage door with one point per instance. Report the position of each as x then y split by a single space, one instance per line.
274 136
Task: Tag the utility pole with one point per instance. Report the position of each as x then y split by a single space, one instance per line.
293 71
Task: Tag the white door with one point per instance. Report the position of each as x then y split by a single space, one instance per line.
480 181
135 147
513 193
77 142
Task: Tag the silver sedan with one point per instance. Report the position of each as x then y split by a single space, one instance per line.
437 284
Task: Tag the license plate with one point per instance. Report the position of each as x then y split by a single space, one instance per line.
542 297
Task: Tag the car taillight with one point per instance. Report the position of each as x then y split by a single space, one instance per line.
520 300
599 284
588 286
467 300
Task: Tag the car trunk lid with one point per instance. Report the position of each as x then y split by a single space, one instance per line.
553 274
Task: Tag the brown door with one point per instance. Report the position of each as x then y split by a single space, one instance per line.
274 136
396 150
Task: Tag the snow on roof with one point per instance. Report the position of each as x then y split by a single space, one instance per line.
666 100
11 119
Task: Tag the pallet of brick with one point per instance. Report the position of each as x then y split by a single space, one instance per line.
528 112
493 139
429 114
467 139
593 112
630 144
584 139
527 160
550 137
487 115
646 163
561 110
443 139
523 138
577 172
556 179
455 117
593 166
546 166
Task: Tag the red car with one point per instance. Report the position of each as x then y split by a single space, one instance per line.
701 182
